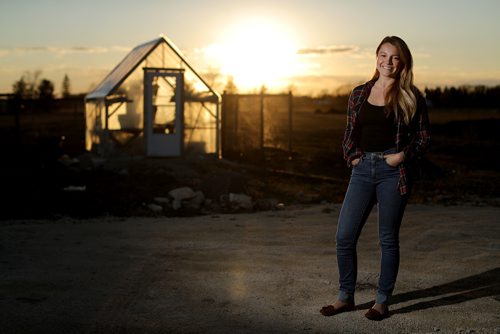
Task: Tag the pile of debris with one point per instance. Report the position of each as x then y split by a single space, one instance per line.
185 198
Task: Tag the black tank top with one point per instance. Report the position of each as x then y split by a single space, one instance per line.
378 131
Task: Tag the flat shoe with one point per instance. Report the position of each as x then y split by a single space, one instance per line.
330 310
376 315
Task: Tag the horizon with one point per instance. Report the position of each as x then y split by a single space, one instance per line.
256 44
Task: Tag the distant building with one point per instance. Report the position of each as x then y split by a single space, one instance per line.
6 103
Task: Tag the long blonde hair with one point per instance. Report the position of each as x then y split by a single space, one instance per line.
401 94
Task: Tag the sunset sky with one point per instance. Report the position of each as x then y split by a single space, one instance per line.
311 45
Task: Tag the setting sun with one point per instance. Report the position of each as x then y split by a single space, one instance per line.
257 52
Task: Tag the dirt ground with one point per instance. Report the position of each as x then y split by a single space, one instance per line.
261 272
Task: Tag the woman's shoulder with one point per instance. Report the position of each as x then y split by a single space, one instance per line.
359 87
361 91
363 87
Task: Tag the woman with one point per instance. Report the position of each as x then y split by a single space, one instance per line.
387 130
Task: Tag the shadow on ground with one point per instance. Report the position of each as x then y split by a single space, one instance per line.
486 284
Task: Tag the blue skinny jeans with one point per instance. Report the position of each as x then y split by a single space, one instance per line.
372 181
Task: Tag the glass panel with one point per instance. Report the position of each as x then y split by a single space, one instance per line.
120 71
130 116
118 117
164 105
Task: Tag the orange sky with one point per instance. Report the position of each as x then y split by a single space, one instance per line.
311 45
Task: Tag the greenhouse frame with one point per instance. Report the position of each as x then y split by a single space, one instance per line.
153 103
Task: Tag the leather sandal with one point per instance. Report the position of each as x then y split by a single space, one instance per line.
330 310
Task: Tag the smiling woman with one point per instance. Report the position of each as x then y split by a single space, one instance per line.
256 52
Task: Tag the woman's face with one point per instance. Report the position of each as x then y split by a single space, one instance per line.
388 60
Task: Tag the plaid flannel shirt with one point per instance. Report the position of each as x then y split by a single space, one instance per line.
412 139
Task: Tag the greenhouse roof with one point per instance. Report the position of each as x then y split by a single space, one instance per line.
129 64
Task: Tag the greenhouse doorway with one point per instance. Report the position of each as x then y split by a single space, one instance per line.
164 112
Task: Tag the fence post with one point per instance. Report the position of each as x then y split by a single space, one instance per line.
17 105
290 124
235 139
222 126
262 119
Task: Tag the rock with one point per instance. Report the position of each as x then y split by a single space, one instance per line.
266 204
240 201
180 194
280 206
155 208
196 202
185 197
183 193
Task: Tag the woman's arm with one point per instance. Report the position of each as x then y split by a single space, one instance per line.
349 143
420 131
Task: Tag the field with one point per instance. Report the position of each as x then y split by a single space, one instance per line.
460 167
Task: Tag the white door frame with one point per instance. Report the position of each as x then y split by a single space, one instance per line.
161 144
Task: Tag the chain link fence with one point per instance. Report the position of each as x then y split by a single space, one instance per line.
282 131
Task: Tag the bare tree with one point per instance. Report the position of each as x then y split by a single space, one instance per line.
26 86
19 88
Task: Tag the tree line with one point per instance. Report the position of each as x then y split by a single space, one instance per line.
464 97
33 93
31 87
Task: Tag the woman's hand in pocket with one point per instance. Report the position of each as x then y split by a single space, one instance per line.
395 159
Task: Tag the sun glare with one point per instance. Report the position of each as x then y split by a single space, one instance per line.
257 52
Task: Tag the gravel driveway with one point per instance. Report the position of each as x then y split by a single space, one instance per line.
266 272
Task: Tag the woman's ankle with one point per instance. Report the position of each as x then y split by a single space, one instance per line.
381 308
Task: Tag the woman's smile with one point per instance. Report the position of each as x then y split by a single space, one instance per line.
388 60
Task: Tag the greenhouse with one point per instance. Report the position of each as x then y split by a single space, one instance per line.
153 104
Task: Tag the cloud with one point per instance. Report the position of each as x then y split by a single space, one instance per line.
61 51
335 84
319 50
